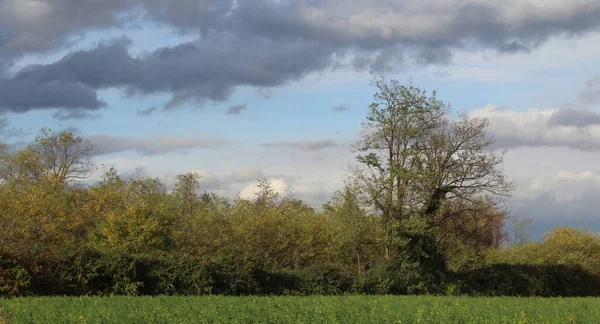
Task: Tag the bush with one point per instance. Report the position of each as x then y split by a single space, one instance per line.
113 274
324 279
237 274
173 275
529 280
563 246
14 279
398 278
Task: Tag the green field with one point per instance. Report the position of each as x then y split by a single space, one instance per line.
315 309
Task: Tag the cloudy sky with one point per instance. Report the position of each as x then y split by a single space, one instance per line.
240 90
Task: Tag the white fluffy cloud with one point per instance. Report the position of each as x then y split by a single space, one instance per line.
227 184
564 187
312 191
279 185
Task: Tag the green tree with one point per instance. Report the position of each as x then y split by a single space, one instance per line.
186 194
398 119
357 237
413 157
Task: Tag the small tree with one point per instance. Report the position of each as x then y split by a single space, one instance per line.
186 193
58 157
520 230
467 230
355 234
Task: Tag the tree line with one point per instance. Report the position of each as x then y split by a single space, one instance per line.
420 213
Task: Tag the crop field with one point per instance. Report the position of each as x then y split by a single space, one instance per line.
314 309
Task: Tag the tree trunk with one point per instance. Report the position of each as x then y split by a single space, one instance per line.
360 273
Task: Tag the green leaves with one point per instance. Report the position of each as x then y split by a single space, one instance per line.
415 161
370 160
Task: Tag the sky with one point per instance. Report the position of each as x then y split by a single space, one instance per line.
241 90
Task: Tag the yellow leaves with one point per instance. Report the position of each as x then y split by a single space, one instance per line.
284 233
564 245
109 230
573 246
39 218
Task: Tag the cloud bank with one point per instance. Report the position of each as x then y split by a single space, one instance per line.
573 128
258 43
152 145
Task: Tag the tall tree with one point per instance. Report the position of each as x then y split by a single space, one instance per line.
413 157
398 119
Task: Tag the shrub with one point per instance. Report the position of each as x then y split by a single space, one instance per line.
173 275
238 274
397 278
109 273
529 280
562 246
14 279
324 279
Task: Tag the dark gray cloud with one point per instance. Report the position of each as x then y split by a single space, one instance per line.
374 24
424 31
39 25
507 26
210 69
514 47
213 67
574 117
70 83
23 95
236 109
304 145
203 15
261 43
107 65
341 108
152 145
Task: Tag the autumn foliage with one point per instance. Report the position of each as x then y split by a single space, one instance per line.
420 217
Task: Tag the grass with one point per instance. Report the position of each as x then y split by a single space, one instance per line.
314 309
